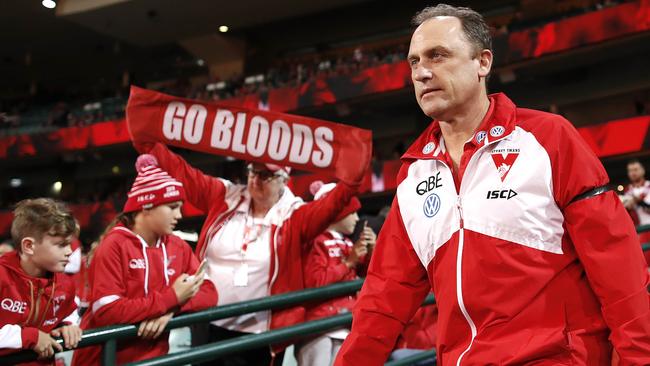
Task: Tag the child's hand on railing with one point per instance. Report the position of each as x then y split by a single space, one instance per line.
46 346
153 328
71 335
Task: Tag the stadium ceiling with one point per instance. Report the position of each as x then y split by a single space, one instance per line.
94 37
152 22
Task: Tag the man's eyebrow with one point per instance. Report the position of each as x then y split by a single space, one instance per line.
438 49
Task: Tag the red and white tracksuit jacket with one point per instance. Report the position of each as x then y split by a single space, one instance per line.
324 266
290 234
29 304
525 267
131 282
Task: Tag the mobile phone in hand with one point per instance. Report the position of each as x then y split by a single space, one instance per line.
358 229
201 268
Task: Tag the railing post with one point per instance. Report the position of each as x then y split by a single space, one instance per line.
109 352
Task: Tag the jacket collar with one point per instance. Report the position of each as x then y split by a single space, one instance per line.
135 238
498 123
279 212
11 261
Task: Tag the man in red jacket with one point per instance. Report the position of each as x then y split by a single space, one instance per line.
506 214
36 298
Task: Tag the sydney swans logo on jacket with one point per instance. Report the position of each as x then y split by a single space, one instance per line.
503 160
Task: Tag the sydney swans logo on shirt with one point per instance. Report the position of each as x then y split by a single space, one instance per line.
431 205
503 160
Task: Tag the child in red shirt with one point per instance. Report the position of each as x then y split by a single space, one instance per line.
333 258
141 272
37 298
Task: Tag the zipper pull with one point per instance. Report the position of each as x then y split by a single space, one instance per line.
460 211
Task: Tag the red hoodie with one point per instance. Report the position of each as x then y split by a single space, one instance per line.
29 304
324 266
130 283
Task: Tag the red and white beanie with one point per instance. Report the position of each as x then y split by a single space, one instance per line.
320 190
152 187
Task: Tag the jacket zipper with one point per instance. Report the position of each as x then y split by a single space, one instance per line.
459 255
459 276
37 306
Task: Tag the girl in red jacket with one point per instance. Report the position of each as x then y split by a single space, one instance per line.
333 258
141 272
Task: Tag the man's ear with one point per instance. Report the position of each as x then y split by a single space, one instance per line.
485 59
27 245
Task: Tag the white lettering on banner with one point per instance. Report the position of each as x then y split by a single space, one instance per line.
238 139
173 121
280 140
221 134
258 136
323 158
194 123
191 127
301 145
298 143
14 306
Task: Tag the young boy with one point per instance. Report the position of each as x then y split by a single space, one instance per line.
333 258
37 299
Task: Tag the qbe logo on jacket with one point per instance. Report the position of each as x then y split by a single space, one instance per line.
137 264
14 306
431 205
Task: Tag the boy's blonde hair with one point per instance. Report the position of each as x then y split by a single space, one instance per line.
40 216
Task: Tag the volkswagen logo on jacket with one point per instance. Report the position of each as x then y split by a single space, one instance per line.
431 205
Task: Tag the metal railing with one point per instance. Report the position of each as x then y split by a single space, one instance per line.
110 335
215 350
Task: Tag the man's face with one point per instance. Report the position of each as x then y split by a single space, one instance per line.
635 172
263 184
51 253
445 69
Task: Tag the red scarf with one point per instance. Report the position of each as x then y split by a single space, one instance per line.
252 135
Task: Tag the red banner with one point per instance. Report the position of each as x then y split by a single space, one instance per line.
590 28
252 135
617 137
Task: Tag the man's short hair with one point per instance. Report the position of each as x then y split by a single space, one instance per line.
474 26
40 216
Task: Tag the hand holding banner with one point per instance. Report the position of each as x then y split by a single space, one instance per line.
268 137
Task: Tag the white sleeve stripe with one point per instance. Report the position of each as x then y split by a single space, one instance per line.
73 318
11 336
104 301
